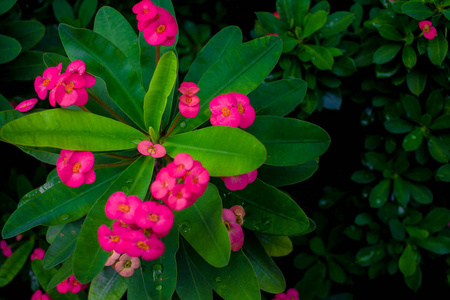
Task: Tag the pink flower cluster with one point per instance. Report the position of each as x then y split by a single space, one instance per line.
71 284
232 109
233 219
38 295
137 228
239 182
291 294
189 102
75 167
148 148
158 26
5 248
66 89
180 182
123 263
38 253
429 32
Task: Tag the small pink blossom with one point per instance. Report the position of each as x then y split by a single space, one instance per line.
239 212
138 244
161 30
75 167
246 111
156 216
276 14
72 91
38 295
47 82
235 231
188 111
145 10
111 239
182 162
272 34
196 179
63 287
148 148
38 253
122 207
178 197
291 294
224 111
126 265
239 182
26 105
112 259
429 32
188 88
162 184
5 248
74 285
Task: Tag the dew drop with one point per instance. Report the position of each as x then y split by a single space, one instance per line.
157 270
184 226
218 279
158 288
183 124
414 137
64 217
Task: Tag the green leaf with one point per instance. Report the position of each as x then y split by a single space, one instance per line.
278 98
417 10
401 191
27 32
105 60
413 139
270 278
227 39
63 245
238 274
441 122
13 264
344 66
10 48
214 145
407 262
275 245
190 283
56 203
389 32
160 275
281 217
412 107
136 289
413 282
62 10
284 136
420 192
436 220
398 126
437 49
87 11
287 175
159 90
386 53
363 176
89 258
436 244
6 5
438 149
271 23
370 255
202 226
317 246
239 71
337 22
113 26
376 160
336 272
321 57
314 22
25 67
109 284
409 57
293 12
443 173
71 129
416 81
380 193
64 272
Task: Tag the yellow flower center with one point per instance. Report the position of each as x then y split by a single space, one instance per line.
426 28
76 167
46 82
225 111
153 217
143 245
161 28
240 108
114 238
124 208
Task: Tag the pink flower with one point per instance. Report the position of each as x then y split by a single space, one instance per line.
111 239
246 111
5 248
239 182
138 244
188 88
429 32
75 167
26 105
188 111
121 207
63 287
291 294
239 212
272 34
126 264
182 162
72 91
224 111
38 253
147 148
189 102
156 216
276 14
196 180
178 197
47 81
74 285
38 295
235 231
160 30
162 184
145 10
112 259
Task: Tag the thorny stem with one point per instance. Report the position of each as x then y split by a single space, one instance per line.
173 126
119 118
122 163
84 109
158 53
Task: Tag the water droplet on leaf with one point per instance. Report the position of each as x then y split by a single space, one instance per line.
158 288
218 279
183 124
157 271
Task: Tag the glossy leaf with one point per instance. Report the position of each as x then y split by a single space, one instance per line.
112 25
70 129
407 263
6 5
412 107
105 60
443 173
321 57
284 136
214 145
270 278
409 57
314 22
337 273
281 217
287 175
64 272
363 176
86 12
159 90
136 288
13 264
278 98
89 258
413 139
27 32
401 191
109 284
416 81
380 193
271 23
226 40
10 48
344 66
436 220
160 275
56 203
337 22
437 49
417 10
389 32
438 149
239 71
370 255
201 225
420 192
436 244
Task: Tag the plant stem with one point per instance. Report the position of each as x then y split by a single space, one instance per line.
173 126
158 53
111 111
122 163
